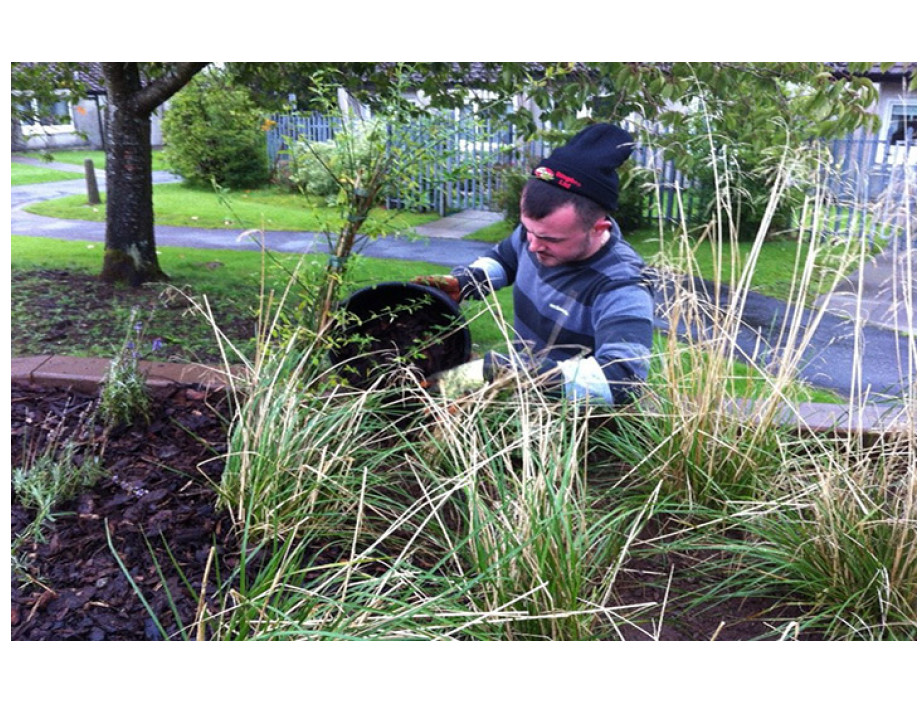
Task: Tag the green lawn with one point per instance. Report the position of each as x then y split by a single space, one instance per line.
21 174
232 281
268 209
35 174
777 272
77 157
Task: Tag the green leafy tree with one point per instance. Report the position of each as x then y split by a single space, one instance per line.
814 98
740 117
36 90
379 86
213 132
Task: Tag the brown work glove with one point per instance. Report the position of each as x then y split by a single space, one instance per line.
444 282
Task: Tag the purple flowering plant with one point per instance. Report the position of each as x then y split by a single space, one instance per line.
124 398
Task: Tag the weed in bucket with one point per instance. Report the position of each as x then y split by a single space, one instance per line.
399 324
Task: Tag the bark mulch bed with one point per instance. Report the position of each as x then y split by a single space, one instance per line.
156 509
154 504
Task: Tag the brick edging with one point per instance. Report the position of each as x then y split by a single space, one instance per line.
86 374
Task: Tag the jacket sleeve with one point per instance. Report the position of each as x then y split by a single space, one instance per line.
623 331
494 270
622 320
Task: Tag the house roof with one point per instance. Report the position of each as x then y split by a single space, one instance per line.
877 71
91 75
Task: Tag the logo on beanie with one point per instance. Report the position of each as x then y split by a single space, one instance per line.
564 180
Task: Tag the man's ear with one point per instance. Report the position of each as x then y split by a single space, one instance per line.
602 225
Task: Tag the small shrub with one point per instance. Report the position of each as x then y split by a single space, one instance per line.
124 398
213 134
311 169
51 476
630 212
511 185
323 169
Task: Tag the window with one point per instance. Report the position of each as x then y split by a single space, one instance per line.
36 118
900 131
902 122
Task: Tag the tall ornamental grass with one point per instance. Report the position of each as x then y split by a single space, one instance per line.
401 513
822 524
394 512
542 544
844 544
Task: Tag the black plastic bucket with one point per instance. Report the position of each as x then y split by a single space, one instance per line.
396 325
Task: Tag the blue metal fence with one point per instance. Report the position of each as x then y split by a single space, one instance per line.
867 173
473 154
286 128
872 182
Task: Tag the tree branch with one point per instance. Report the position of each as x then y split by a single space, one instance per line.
158 91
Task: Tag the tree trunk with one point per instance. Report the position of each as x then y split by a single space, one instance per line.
130 248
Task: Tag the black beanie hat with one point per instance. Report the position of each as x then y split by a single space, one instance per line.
587 164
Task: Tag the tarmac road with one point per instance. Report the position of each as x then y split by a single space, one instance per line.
874 357
875 361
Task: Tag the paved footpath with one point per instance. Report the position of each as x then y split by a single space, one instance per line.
881 349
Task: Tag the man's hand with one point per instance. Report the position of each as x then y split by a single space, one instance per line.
447 284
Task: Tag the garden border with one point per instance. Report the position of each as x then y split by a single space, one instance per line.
87 374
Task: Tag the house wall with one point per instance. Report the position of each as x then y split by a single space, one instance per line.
85 132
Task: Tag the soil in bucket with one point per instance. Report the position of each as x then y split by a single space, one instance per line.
397 325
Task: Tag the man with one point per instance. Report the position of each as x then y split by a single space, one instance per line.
582 309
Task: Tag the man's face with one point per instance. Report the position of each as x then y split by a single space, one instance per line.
560 237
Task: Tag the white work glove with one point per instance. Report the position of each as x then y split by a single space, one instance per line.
462 379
